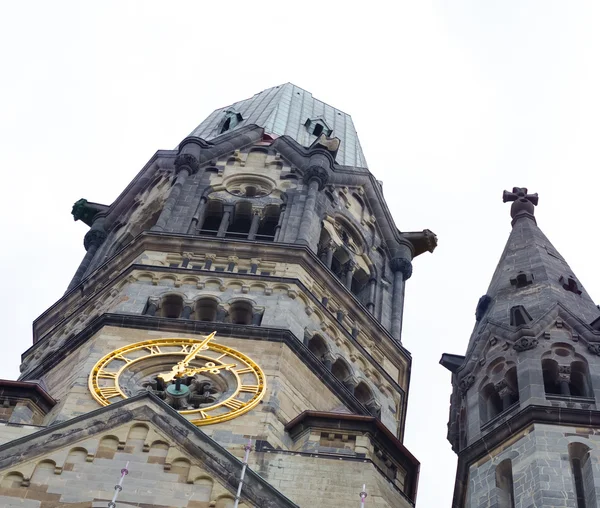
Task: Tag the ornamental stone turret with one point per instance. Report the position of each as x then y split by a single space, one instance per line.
523 412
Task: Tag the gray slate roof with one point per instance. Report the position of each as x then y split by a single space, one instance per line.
529 251
284 110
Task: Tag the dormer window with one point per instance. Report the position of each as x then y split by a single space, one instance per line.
317 126
229 120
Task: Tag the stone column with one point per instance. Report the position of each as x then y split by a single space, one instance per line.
279 223
315 177
92 240
351 383
152 306
224 224
564 377
402 268
330 251
505 394
350 268
198 217
254 225
187 309
372 295
185 165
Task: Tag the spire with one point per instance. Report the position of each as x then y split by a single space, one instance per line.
531 277
291 111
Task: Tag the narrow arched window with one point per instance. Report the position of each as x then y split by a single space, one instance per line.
242 220
583 475
212 218
206 310
171 306
268 224
551 380
317 346
504 485
240 313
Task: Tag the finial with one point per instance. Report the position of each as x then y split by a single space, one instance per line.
523 203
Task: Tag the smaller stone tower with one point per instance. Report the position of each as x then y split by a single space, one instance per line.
523 416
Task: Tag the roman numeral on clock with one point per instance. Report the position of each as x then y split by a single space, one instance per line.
233 404
249 388
247 370
105 374
109 393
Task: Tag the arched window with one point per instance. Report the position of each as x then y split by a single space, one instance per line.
363 393
212 218
580 380
504 485
240 313
268 224
583 475
206 310
341 370
490 403
171 306
550 372
318 346
242 220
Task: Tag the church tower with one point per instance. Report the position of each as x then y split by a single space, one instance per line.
523 416
265 227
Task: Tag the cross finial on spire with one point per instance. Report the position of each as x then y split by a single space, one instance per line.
523 203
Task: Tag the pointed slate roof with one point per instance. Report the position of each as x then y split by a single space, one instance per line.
291 111
532 273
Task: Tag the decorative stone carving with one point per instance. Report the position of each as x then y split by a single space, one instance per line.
186 161
94 237
402 265
594 348
316 173
482 306
466 383
564 373
523 203
525 343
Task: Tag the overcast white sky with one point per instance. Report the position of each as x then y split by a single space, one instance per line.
453 101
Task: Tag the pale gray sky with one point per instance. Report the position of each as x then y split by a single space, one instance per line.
453 101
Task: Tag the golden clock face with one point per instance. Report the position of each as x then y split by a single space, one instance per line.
206 382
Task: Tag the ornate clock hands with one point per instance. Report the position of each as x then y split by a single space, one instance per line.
210 367
179 369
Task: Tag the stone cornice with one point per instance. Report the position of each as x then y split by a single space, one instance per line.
525 418
27 390
143 322
368 425
147 407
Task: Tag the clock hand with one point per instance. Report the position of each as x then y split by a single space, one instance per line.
178 369
192 354
213 369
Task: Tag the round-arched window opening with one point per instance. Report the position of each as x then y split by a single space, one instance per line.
171 306
206 310
240 313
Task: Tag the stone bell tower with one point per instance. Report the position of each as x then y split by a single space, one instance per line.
523 415
266 227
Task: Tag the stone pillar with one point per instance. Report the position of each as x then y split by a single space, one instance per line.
372 295
224 224
198 217
187 309
351 383
402 268
564 377
329 259
315 177
254 225
152 307
279 223
92 240
328 360
185 165
350 267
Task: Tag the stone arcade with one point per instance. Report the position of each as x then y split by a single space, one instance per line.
265 226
